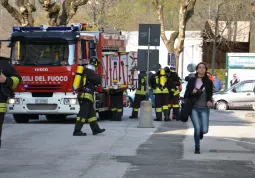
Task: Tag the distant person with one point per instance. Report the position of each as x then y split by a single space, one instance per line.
234 81
140 94
210 76
151 91
223 86
217 83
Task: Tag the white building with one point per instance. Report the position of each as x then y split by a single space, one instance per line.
192 49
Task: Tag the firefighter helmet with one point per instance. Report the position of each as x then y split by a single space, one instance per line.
172 68
167 69
94 61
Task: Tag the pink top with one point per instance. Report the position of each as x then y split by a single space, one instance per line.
199 83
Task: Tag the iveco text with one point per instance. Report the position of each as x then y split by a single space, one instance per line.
41 69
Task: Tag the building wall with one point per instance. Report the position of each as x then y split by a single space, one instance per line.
192 49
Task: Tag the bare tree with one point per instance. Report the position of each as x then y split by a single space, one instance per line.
185 13
61 13
224 26
24 12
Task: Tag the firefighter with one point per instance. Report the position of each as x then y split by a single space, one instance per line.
140 94
9 80
116 105
86 91
170 86
174 82
159 85
45 51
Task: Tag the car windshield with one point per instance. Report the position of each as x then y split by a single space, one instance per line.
43 53
240 87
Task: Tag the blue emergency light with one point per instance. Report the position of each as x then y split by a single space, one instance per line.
44 28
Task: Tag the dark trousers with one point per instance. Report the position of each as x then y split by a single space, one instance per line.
2 113
137 103
86 113
174 104
1 123
116 105
161 104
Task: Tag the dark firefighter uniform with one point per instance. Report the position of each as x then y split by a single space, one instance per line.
174 83
11 82
86 99
140 94
116 105
160 91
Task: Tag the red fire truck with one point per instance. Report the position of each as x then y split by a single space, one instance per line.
47 59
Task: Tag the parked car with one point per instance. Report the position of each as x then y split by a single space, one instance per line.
184 84
129 97
239 96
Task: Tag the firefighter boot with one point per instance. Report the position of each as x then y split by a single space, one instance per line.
158 116
166 115
119 116
95 128
176 112
77 130
134 114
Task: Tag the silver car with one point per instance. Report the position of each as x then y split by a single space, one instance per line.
184 85
239 96
130 98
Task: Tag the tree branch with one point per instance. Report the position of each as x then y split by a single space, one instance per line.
78 3
19 3
61 14
14 12
172 39
73 7
183 19
159 10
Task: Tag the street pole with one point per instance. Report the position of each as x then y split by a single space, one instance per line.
183 63
148 65
215 38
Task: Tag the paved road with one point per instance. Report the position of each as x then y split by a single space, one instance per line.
227 151
47 149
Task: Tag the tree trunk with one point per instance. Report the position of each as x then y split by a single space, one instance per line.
177 58
24 14
61 14
184 16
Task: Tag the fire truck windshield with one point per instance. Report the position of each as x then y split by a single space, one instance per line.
44 53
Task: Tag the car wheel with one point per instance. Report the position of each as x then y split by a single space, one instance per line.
253 106
221 105
129 102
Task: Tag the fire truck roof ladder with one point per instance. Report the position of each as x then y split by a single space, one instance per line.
45 28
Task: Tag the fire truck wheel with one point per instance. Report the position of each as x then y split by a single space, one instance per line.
21 118
54 117
105 115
